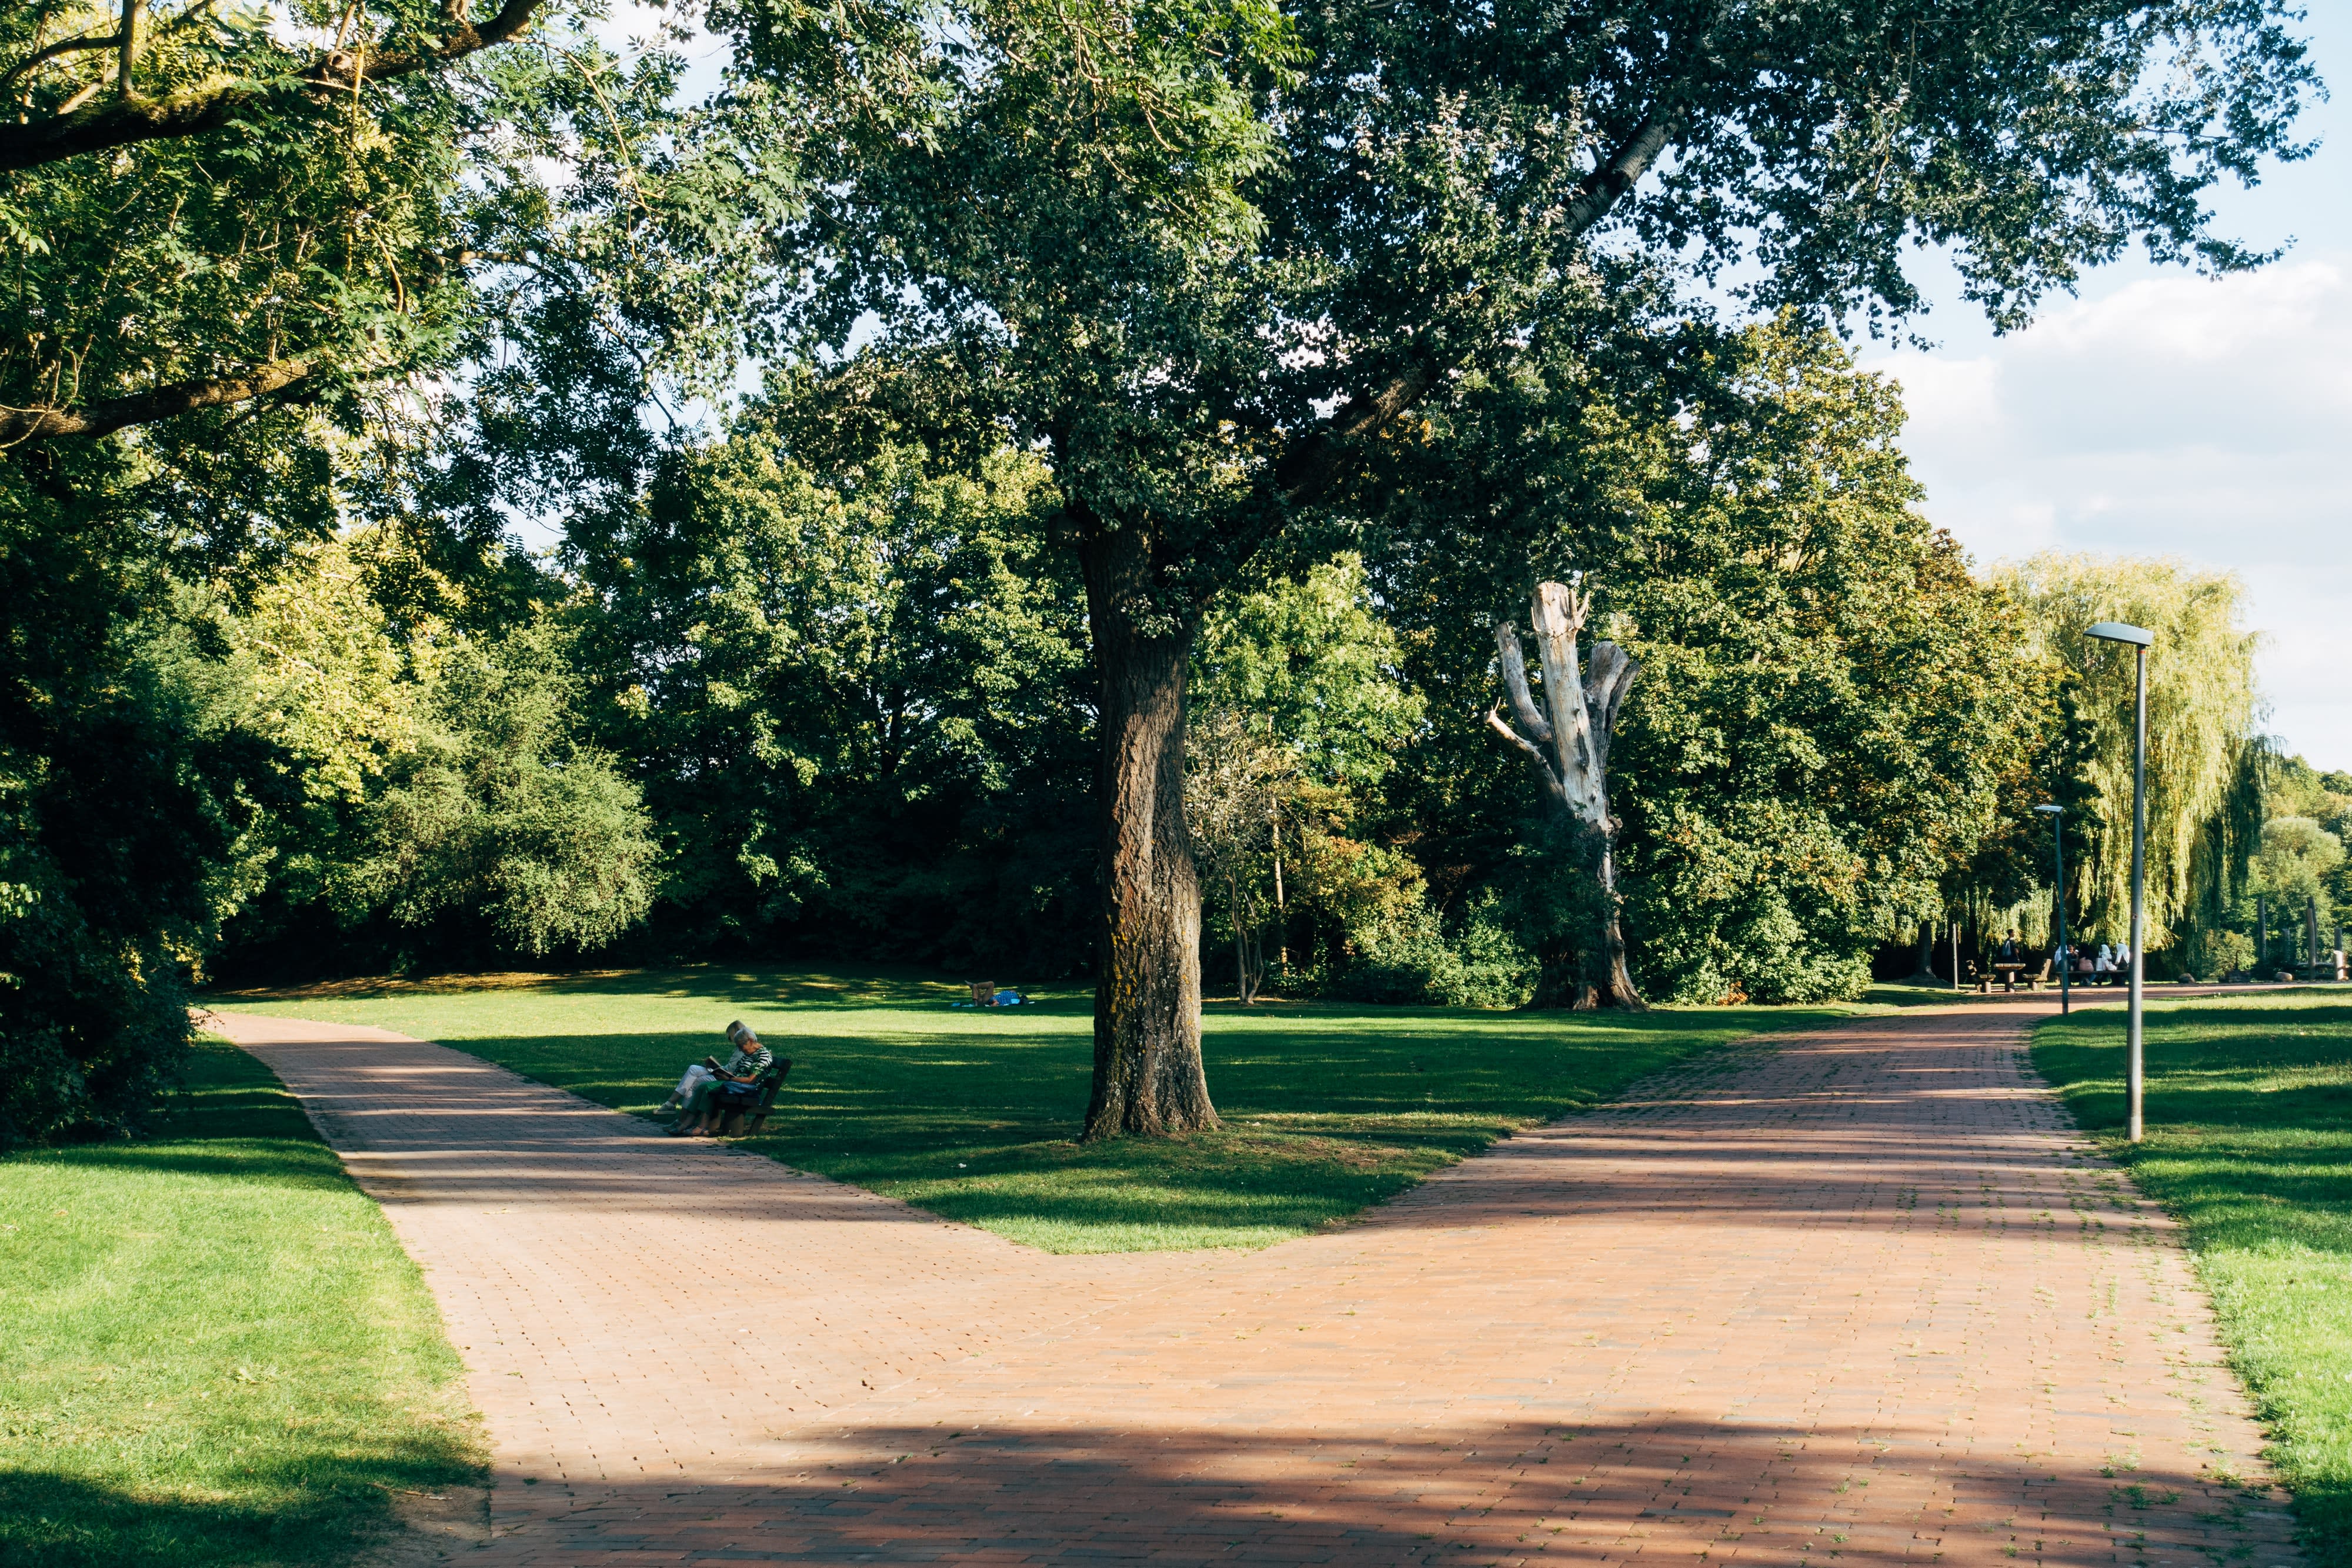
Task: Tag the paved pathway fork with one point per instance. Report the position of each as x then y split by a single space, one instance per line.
1864 1296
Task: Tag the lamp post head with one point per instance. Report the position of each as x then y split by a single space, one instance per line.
2120 631
2050 810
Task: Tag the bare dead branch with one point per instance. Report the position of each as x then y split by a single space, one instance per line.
1502 726
1515 681
1609 675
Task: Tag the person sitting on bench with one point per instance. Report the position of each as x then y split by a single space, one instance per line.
751 1058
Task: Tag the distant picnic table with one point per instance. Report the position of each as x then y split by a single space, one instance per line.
2010 972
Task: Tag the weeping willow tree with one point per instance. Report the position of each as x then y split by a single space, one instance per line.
2204 756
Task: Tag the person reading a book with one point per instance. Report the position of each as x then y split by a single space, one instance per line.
748 1060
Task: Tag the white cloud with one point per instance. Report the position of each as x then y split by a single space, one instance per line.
2206 419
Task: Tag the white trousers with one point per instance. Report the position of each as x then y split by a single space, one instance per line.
696 1076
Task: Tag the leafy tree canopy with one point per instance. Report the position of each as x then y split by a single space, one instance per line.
2205 758
1831 710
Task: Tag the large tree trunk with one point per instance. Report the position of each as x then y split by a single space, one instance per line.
1570 746
1923 973
1147 1073
1613 929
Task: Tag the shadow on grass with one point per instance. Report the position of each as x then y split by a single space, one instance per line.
276 1161
2249 1115
329 1512
841 987
165 1283
972 1114
229 1119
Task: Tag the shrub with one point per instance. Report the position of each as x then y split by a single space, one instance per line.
2214 951
121 809
1411 959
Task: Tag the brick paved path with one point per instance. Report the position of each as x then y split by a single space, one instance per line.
1862 1297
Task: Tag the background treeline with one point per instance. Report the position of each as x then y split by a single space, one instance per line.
811 670
818 694
815 692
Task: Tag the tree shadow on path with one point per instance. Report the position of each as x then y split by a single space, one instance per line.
1168 1491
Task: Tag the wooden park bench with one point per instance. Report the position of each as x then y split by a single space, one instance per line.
741 1110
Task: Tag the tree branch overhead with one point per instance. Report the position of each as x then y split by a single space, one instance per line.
128 117
19 425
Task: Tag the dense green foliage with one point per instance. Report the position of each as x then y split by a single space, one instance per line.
126 784
232 311
2297 879
1329 1108
1080 337
1830 713
212 1349
854 692
2249 1110
2203 822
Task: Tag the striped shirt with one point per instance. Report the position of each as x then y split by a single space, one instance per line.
745 1064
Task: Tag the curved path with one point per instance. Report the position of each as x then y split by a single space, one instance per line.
1861 1295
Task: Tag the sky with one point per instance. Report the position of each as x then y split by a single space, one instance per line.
2160 413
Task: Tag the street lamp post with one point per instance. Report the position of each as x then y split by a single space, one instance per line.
2139 637
2057 816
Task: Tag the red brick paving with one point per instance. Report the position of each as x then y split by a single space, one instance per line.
1859 1298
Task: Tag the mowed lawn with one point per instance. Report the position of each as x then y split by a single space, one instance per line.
972 1114
212 1350
2248 1120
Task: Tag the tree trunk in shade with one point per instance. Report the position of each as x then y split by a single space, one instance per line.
1147 1073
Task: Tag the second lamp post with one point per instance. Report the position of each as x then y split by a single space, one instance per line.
2057 816
2139 637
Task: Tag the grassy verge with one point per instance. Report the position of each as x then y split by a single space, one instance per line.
2249 1116
212 1350
969 1114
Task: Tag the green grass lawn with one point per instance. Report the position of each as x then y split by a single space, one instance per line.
2249 1118
970 1114
212 1350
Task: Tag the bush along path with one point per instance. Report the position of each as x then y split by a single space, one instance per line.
1864 1295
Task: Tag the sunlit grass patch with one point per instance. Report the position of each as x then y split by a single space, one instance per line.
2249 1117
1327 1108
212 1349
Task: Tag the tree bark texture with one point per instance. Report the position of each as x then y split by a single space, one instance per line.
18 426
1147 1073
1568 739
